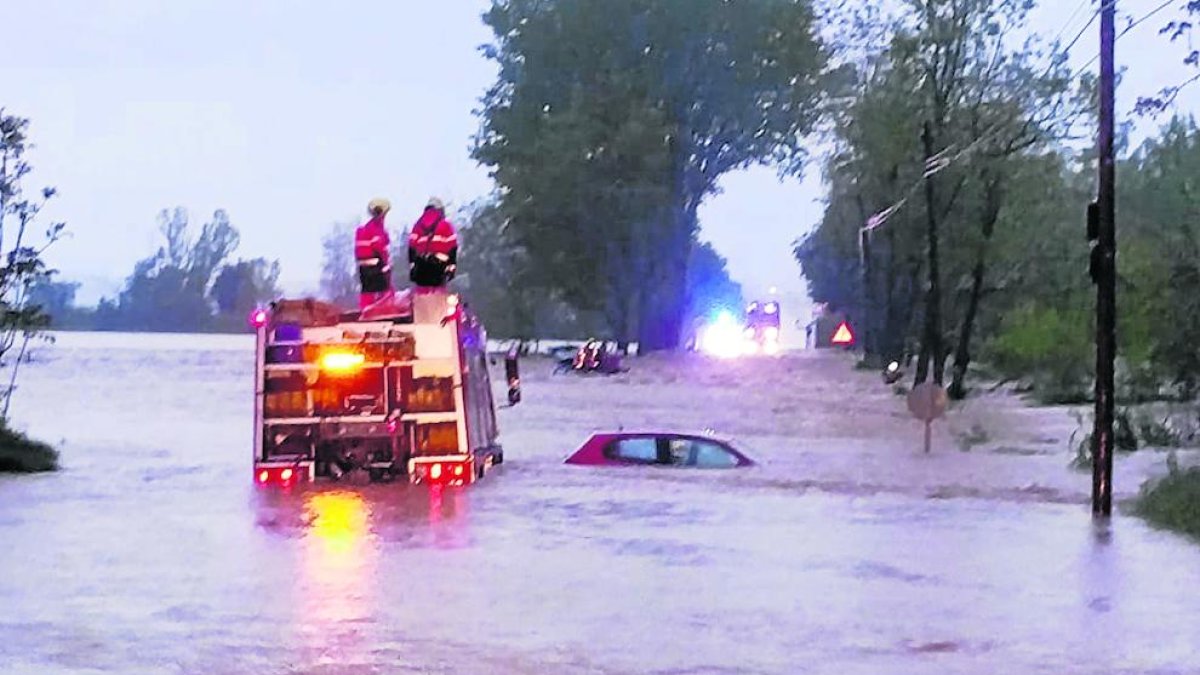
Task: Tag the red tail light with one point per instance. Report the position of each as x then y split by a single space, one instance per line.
444 473
285 476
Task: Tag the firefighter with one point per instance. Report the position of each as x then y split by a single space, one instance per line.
432 247
371 244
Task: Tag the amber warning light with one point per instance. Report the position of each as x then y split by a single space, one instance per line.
342 362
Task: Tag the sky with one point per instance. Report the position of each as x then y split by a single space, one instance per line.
293 115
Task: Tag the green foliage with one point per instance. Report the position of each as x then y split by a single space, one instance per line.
1154 431
611 122
992 110
1172 502
492 275
241 287
189 285
22 268
21 454
1160 251
339 276
1051 347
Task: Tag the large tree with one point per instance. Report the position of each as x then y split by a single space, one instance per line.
611 122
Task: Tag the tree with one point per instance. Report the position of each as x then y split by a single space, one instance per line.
495 276
339 280
1160 216
243 286
22 267
170 290
943 119
612 122
1180 27
56 298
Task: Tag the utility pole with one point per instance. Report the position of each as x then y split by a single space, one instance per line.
867 311
1104 272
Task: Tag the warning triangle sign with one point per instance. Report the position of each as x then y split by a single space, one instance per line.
843 335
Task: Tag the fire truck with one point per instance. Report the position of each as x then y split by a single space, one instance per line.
403 395
761 334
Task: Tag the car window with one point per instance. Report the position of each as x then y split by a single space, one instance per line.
680 451
634 450
708 455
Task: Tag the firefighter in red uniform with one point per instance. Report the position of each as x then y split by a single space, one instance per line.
371 243
432 247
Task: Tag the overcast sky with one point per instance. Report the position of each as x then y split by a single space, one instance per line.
292 115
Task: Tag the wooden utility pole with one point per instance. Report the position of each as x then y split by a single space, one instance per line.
1104 273
866 326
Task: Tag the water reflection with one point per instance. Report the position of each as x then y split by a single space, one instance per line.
338 521
448 517
338 581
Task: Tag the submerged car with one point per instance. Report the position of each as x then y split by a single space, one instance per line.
659 449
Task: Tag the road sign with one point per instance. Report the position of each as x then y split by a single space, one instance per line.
927 402
843 336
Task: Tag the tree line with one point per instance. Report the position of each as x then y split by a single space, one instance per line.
957 201
191 283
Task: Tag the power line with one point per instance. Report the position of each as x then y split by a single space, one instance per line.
881 217
1128 28
1095 15
1070 20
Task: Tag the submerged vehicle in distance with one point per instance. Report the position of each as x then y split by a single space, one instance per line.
659 449
404 395
761 332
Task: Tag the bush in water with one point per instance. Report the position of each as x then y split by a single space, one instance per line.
21 454
1172 502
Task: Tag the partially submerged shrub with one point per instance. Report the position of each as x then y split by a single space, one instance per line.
21 454
1172 502
1155 432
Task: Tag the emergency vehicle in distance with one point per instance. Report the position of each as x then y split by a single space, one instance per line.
761 334
407 396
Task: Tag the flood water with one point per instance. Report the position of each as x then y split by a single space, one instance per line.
152 552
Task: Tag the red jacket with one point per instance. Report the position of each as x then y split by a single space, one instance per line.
371 242
433 235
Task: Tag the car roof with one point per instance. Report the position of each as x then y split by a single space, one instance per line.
678 434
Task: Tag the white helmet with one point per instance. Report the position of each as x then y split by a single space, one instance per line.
435 203
379 206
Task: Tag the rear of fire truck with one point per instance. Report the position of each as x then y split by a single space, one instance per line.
404 397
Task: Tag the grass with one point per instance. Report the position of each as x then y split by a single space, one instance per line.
1172 502
21 454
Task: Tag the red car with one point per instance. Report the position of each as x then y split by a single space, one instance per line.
659 449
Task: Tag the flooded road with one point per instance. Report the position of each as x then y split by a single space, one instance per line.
845 552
